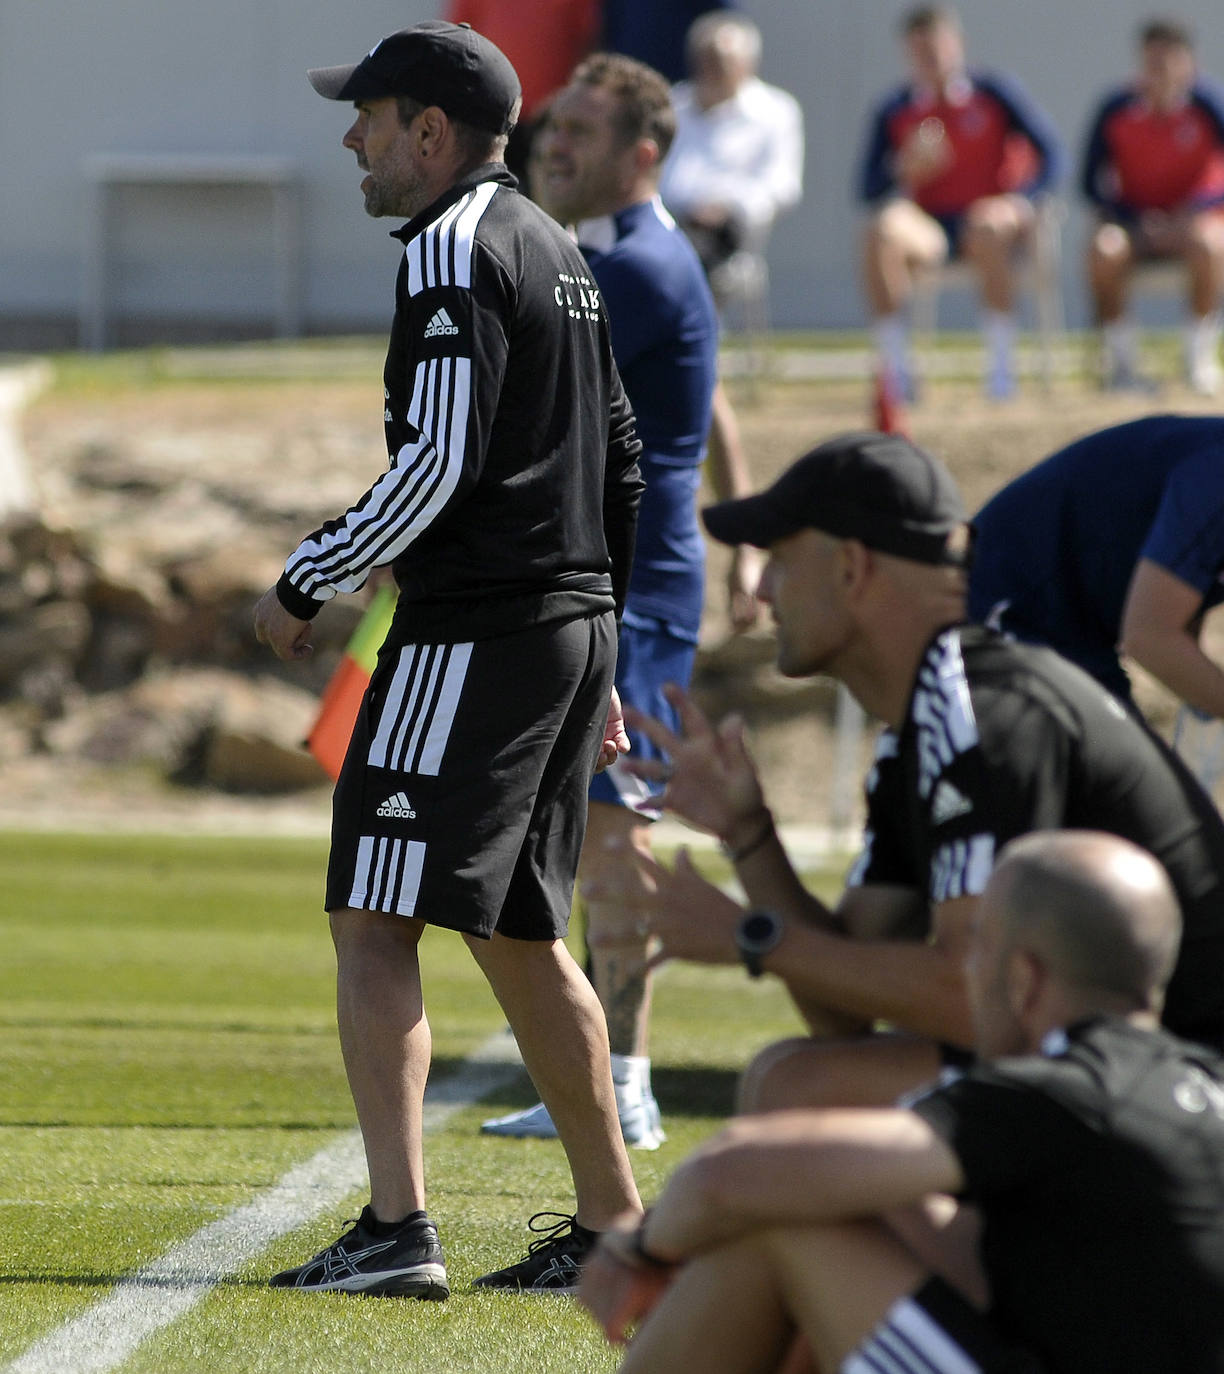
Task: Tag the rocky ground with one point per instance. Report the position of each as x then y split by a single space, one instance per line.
131 689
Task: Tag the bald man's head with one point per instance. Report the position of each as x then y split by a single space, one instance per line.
1092 913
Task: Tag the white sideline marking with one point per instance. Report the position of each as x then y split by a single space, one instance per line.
109 1332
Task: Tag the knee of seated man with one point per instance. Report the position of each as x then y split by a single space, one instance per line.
1206 233
785 1074
901 224
1111 241
992 221
867 1071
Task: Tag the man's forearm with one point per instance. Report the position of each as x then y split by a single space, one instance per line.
769 878
797 1168
914 986
726 464
1175 659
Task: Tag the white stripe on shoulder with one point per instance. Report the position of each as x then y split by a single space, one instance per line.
422 251
942 710
465 231
662 214
451 236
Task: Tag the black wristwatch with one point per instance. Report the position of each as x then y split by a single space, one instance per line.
759 932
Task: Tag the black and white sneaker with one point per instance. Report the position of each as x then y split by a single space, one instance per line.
406 1264
554 1261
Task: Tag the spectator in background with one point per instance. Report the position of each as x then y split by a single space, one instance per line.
1154 170
544 40
595 166
737 161
1055 564
953 161
654 31
1085 1149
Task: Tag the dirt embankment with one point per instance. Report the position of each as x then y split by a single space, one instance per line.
176 504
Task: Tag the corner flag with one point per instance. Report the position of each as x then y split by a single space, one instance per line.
341 700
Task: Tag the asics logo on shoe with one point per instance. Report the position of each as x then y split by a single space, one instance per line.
337 1264
398 808
440 324
562 1272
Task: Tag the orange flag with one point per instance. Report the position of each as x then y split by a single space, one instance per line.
341 700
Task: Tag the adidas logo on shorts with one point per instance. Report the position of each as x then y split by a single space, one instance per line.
398 808
440 324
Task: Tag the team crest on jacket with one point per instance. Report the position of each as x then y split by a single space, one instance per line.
577 296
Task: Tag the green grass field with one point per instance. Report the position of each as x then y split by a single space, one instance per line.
169 1052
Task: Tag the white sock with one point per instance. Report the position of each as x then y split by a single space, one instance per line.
1202 338
1121 345
999 331
631 1077
891 335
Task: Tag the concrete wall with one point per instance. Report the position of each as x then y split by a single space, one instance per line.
139 76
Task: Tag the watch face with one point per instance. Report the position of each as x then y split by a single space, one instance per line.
759 928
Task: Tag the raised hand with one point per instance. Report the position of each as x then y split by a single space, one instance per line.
683 914
711 780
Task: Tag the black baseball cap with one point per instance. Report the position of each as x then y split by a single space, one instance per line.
878 488
448 65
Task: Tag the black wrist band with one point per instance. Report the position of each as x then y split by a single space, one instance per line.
735 855
637 1244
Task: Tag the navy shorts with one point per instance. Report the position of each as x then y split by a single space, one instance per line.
651 654
462 800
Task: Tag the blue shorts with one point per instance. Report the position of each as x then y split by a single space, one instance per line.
651 653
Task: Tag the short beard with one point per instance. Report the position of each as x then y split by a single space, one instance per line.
374 204
378 203
404 198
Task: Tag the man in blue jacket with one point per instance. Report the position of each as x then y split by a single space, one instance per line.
598 166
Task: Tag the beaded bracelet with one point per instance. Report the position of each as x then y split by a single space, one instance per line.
736 855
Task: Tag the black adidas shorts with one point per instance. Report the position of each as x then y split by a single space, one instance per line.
937 1331
463 796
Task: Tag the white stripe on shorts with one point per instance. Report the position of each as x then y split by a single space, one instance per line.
909 1341
420 707
387 876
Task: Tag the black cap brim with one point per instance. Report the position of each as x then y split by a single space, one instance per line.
338 83
753 520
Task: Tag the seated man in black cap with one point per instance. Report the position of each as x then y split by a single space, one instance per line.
985 740
507 514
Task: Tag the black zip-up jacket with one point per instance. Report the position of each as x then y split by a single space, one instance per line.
512 487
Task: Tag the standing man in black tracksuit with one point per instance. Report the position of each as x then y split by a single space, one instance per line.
507 514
